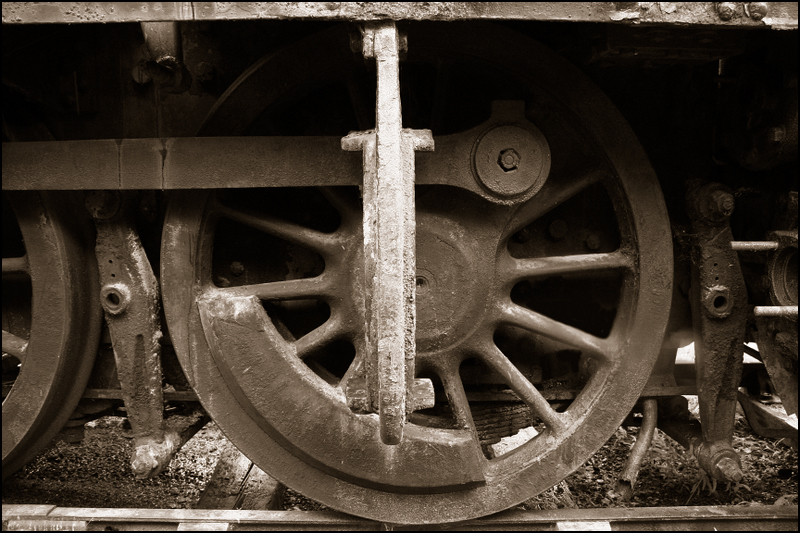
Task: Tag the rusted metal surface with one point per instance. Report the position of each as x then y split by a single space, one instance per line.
52 327
719 313
129 296
389 242
626 483
687 518
782 15
688 433
315 422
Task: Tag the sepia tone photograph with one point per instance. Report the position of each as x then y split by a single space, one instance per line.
399 266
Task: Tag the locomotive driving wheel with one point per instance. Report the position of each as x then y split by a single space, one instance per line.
559 296
51 321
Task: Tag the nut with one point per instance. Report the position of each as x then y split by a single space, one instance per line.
115 298
718 301
721 202
508 159
725 10
237 268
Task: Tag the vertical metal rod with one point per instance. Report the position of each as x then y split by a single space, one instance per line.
389 242
394 228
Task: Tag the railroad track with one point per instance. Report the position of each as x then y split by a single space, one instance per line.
52 518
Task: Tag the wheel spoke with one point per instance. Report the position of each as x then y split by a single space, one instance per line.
456 396
315 240
492 356
14 345
516 315
554 193
541 267
293 289
15 264
323 335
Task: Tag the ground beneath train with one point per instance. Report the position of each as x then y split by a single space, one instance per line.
96 473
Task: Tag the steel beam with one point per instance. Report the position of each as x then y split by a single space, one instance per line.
226 162
781 15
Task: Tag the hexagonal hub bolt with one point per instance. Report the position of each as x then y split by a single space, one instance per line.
508 160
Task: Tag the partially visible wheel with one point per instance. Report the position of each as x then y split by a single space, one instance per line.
263 289
51 319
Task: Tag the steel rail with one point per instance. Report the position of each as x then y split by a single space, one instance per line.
50 517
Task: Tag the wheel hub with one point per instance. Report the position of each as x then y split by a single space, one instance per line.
450 283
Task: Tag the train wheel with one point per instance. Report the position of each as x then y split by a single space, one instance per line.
263 294
51 321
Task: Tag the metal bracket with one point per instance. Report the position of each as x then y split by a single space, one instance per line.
130 298
719 312
389 244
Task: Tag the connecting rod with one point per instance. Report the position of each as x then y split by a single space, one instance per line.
389 242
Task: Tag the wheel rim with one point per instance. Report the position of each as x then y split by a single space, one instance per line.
64 326
288 419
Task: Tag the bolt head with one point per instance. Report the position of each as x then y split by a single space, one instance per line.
237 268
725 10
592 242
508 159
721 202
757 10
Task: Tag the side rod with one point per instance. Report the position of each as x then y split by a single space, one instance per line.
389 241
